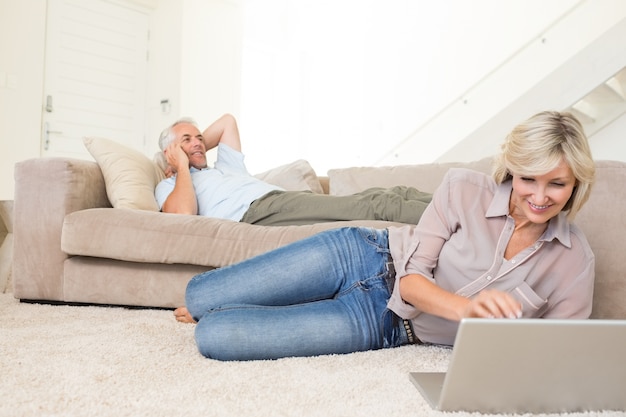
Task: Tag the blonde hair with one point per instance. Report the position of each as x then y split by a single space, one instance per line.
539 144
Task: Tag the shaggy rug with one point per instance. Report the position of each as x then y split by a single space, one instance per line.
105 361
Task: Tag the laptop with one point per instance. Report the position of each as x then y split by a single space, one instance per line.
531 366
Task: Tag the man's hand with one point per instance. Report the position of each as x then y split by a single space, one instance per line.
176 157
493 304
169 171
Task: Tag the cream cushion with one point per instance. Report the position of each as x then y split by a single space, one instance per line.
424 177
296 176
130 177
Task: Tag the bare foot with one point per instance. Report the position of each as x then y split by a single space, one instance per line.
182 315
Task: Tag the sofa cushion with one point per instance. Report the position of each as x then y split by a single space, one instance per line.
296 176
424 177
602 219
152 237
130 177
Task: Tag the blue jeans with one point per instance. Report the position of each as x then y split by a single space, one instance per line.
326 294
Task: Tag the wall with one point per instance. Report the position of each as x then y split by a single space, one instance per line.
195 62
211 62
341 83
581 50
22 41
164 70
194 46
338 83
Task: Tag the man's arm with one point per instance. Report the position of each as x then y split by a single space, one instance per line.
182 199
223 130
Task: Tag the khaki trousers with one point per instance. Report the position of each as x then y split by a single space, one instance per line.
281 208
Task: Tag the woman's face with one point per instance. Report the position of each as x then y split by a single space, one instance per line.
538 198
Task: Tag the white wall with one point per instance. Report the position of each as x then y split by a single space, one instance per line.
195 62
22 40
340 83
335 82
602 56
572 57
164 69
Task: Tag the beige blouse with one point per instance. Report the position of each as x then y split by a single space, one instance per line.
460 241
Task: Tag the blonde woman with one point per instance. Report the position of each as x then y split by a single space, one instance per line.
499 246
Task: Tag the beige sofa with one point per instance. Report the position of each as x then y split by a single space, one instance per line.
71 246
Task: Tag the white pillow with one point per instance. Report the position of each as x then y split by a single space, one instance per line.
296 176
130 176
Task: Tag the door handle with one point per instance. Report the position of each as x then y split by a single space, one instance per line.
46 135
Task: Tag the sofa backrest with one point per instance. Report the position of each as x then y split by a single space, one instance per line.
602 219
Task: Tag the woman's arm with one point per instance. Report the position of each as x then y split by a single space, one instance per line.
428 297
444 222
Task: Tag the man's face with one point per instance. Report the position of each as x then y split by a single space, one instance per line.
191 141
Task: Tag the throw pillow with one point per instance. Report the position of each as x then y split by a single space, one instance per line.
130 176
296 176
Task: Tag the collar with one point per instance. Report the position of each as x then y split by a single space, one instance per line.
558 226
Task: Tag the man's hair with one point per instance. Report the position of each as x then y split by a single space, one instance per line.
537 146
167 135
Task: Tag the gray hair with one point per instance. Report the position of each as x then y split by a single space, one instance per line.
167 135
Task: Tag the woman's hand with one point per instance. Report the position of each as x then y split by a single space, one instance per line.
493 304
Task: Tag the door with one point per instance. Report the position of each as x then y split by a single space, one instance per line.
95 75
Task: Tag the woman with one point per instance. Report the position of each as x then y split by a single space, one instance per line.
491 247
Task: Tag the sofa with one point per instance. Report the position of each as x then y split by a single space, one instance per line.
90 231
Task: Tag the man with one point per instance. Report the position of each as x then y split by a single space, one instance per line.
228 191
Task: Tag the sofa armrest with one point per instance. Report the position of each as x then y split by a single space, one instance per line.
46 190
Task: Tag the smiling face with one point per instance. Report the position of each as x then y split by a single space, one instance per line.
538 198
192 142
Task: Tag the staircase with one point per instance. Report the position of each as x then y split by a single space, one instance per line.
577 64
603 105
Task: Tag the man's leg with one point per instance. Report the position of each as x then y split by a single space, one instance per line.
400 204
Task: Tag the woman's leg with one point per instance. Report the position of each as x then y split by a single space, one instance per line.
324 294
307 270
352 322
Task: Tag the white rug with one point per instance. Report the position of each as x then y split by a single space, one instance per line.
98 361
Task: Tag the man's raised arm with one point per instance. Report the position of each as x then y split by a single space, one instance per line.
223 130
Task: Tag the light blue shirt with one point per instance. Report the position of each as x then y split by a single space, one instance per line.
224 191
